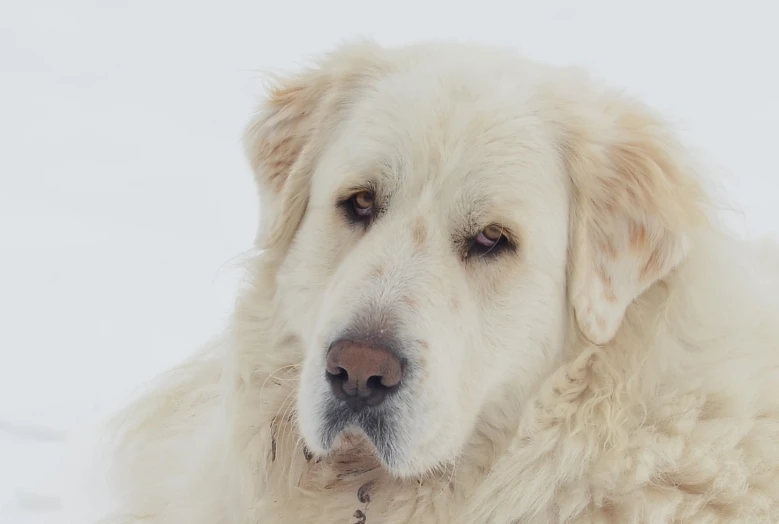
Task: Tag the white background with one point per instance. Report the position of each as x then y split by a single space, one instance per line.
124 195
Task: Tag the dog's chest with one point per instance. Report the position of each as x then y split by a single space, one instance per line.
339 504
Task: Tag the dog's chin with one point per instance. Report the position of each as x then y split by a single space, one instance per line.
330 429
354 441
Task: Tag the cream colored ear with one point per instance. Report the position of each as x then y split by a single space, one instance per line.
635 201
283 141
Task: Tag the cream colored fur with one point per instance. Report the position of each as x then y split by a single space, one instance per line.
620 366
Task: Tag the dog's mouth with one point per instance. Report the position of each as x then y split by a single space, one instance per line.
377 427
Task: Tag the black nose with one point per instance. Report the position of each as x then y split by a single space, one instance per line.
361 374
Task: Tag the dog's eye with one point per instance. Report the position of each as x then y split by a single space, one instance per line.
363 203
489 241
360 206
489 236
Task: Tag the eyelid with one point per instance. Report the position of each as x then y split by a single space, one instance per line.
507 232
345 202
496 229
351 191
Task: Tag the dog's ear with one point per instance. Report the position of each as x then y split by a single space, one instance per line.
635 200
284 140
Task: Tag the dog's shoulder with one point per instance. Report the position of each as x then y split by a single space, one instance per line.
162 445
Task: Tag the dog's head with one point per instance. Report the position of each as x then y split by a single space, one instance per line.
443 217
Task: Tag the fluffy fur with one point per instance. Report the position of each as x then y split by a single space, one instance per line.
619 364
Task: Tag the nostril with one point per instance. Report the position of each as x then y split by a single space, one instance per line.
340 375
374 382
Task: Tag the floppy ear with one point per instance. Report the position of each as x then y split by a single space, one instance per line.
284 140
634 202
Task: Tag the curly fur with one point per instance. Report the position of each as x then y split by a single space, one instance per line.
643 387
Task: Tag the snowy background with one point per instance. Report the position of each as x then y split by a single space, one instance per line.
124 195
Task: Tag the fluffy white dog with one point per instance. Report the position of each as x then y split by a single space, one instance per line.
486 291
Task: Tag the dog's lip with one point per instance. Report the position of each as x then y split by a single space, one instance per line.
351 437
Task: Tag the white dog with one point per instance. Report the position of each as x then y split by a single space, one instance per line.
487 291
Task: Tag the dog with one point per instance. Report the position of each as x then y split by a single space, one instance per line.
485 290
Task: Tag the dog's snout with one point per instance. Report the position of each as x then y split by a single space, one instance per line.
362 374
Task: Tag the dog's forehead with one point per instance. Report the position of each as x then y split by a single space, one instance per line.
452 139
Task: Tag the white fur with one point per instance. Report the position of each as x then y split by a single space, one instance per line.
621 365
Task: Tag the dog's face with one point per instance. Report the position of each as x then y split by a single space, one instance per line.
438 226
434 242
